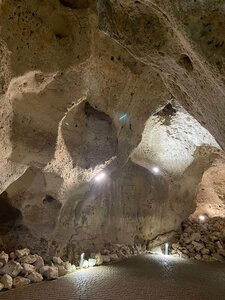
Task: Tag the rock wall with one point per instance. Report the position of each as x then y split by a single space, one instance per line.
75 102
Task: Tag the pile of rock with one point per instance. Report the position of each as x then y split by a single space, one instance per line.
20 268
202 240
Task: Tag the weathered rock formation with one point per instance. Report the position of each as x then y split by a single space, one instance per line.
113 86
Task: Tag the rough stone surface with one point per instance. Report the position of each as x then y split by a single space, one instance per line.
7 281
49 272
35 277
85 90
20 281
4 257
22 252
12 268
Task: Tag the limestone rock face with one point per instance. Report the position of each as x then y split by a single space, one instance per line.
94 97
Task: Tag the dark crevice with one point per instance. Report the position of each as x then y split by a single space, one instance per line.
186 63
91 112
75 4
9 215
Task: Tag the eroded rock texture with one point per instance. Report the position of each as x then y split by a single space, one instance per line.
116 86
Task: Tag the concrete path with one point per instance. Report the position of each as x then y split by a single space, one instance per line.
138 278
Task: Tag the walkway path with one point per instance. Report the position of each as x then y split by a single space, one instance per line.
138 278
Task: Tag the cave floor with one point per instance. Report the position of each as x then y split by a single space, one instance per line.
142 277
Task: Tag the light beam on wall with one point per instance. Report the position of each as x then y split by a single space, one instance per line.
100 177
155 170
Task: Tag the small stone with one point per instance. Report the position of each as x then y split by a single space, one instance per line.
92 262
35 277
156 250
28 259
114 257
198 246
4 258
69 267
49 272
196 236
57 260
62 270
198 257
205 251
217 256
12 268
218 245
221 252
28 268
20 281
85 264
1 286
1 265
106 258
12 255
22 252
175 246
99 259
7 281
39 263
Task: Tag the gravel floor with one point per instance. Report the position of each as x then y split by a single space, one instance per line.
142 277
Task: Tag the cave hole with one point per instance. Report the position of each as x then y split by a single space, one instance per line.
186 63
9 215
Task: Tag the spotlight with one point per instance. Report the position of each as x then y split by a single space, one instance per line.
201 218
166 252
155 170
100 177
123 117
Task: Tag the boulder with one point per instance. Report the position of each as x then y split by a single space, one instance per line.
85 264
20 281
205 251
69 267
106 258
22 252
57 260
4 258
7 281
218 245
114 257
196 236
12 268
49 272
99 259
28 259
28 268
39 263
92 262
218 257
12 255
62 270
35 277
198 246
221 252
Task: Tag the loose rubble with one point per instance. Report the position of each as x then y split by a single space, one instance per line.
202 241
21 268
198 240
